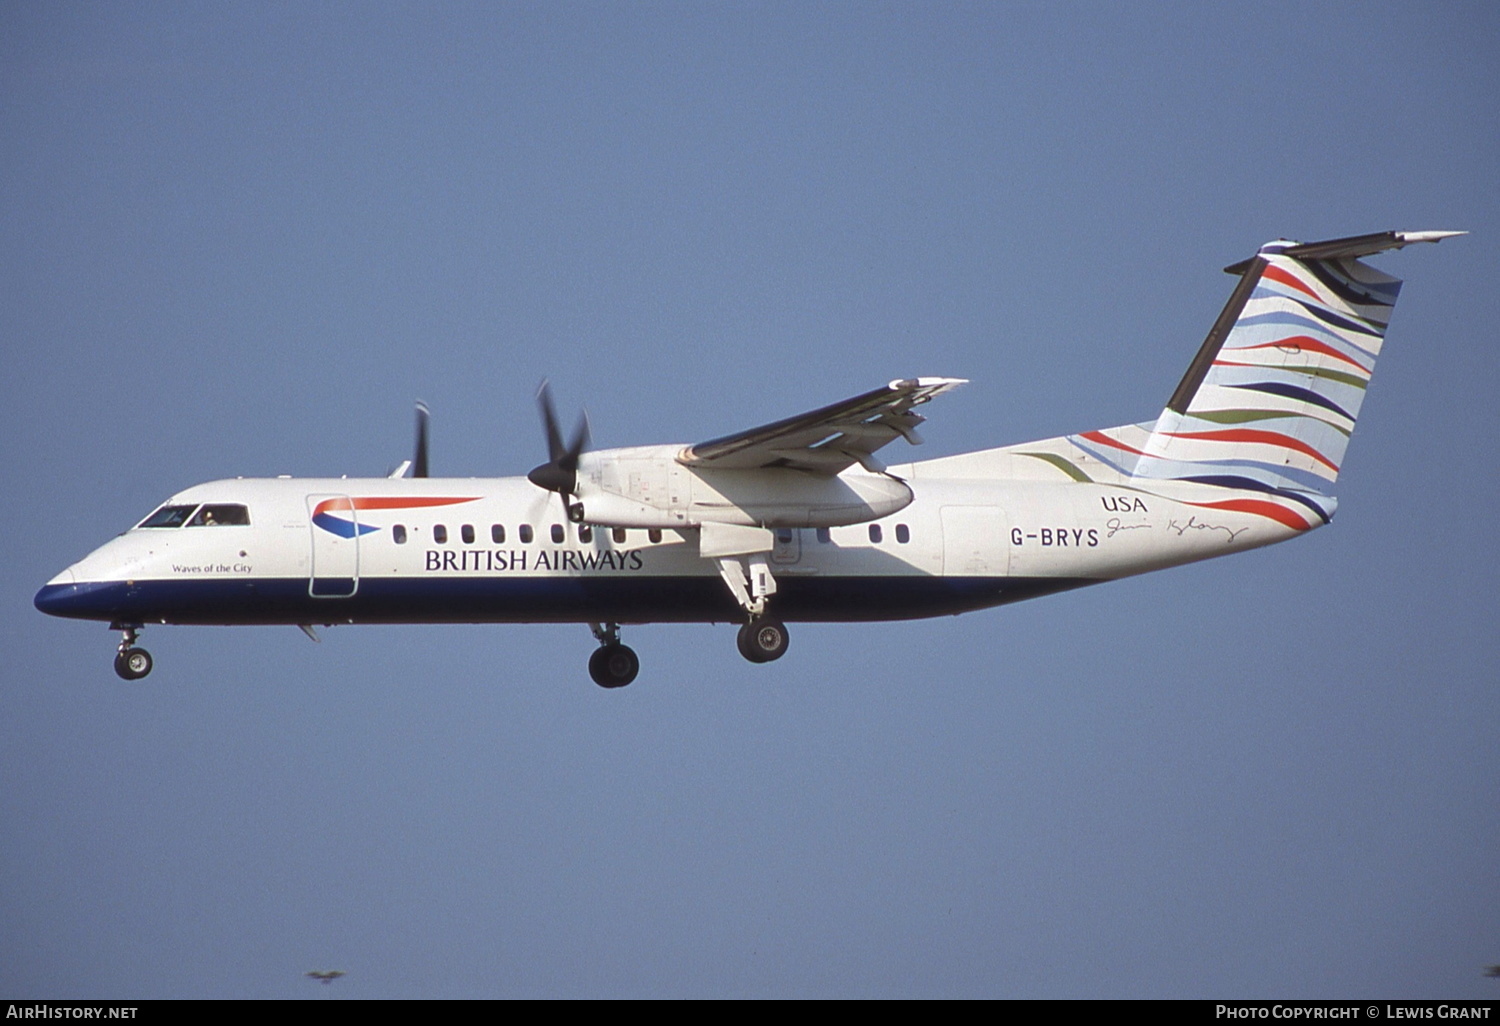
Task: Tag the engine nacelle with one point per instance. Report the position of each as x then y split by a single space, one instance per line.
648 487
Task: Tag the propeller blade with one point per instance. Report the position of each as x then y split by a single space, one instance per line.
555 450
539 508
580 442
419 461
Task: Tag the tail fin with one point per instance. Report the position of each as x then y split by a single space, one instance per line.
1270 400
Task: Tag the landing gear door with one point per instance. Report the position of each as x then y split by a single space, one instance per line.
975 542
334 526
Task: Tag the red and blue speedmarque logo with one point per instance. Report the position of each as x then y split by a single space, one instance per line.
323 512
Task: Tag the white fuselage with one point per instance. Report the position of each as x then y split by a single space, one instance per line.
797 519
932 538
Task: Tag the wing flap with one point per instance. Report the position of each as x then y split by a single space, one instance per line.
830 439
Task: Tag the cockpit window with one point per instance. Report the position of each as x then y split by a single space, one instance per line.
222 515
169 516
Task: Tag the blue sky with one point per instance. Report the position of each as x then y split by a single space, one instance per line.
244 239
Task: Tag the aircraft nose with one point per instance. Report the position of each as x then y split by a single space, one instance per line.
78 595
64 595
54 598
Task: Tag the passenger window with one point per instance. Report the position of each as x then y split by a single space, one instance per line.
655 535
221 516
525 530
557 534
169 516
585 534
875 533
398 533
440 534
903 533
497 534
467 533
619 535
824 535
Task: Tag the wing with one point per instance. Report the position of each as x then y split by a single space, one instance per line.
829 440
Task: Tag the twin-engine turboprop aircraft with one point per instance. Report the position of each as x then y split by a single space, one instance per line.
796 520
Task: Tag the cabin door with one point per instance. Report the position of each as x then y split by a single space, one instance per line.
974 542
334 526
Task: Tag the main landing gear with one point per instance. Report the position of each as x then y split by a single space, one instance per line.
612 665
131 663
762 641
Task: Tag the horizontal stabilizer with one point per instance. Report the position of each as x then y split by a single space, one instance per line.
1354 246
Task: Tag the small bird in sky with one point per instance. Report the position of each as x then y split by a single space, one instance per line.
326 976
1493 970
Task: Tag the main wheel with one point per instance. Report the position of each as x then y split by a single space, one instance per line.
133 663
761 641
613 666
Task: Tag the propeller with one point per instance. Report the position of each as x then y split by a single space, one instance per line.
417 465
419 462
560 473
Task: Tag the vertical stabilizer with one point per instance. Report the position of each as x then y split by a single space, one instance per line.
1269 402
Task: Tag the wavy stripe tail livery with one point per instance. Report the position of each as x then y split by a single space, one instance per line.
798 519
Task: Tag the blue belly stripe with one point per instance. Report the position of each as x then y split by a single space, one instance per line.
534 599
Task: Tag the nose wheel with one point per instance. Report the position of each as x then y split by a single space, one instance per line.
131 663
612 665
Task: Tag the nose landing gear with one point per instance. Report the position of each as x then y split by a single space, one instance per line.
612 665
131 663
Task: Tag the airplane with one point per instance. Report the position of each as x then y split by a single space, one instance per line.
794 520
